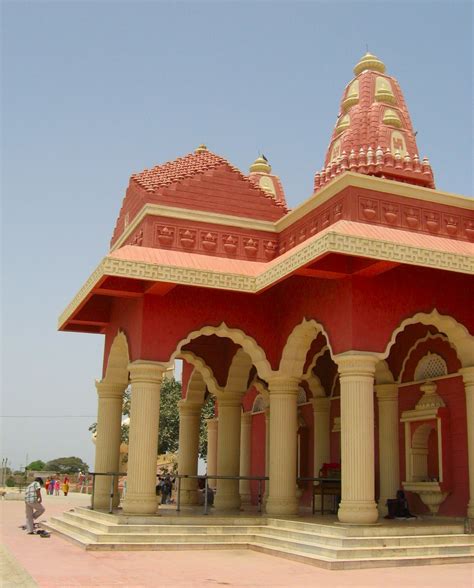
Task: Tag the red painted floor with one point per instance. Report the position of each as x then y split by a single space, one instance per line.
56 562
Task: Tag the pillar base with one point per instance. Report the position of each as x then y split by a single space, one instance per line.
227 502
282 506
140 504
102 501
355 512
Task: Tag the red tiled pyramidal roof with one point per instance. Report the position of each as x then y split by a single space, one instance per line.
179 169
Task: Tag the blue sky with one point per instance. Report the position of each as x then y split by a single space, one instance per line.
93 91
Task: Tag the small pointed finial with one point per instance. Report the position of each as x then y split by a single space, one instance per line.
200 148
369 62
261 165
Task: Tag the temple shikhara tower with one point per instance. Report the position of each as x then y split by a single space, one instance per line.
336 336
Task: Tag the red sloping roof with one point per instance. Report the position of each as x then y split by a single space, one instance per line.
177 170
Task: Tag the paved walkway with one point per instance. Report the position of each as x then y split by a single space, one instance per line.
54 562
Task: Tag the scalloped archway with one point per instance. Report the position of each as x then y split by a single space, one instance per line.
248 344
294 353
457 334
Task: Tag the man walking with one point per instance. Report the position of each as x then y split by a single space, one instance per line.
33 504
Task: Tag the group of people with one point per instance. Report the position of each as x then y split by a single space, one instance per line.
165 488
53 485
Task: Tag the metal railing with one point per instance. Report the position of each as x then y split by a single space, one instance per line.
206 477
112 486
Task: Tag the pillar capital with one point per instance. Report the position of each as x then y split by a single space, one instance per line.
353 363
387 391
467 374
110 389
321 404
283 385
246 418
187 408
147 371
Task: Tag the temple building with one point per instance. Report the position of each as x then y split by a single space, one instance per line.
339 332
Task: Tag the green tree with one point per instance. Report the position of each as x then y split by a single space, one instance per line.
168 438
66 465
36 466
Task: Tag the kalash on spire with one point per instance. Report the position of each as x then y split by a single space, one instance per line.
373 133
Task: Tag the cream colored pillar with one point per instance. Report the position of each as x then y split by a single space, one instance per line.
283 429
321 409
107 445
389 465
212 450
245 455
188 453
228 451
267 454
143 437
468 377
356 374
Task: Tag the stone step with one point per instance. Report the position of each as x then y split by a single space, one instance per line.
331 564
357 552
382 541
383 530
101 527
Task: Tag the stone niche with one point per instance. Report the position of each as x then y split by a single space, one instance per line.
427 448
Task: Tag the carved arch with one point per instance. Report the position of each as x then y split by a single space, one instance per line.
413 348
196 390
297 345
239 370
457 333
118 360
205 371
248 344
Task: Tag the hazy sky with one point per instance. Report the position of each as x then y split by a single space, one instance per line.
93 91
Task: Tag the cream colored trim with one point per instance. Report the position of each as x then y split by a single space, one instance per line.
435 379
427 337
329 241
189 214
371 183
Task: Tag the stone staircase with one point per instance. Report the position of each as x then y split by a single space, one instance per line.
327 545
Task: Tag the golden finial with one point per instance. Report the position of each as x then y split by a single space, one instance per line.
369 61
261 165
201 148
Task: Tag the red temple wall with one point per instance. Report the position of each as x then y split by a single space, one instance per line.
257 464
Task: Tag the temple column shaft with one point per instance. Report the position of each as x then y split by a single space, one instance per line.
212 450
283 445
468 377
321 407
228 451
107 445
356 373
245 455
387 400
143 437
188 453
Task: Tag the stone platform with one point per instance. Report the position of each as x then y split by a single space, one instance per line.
319 541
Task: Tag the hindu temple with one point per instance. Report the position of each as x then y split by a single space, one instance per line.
335 334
